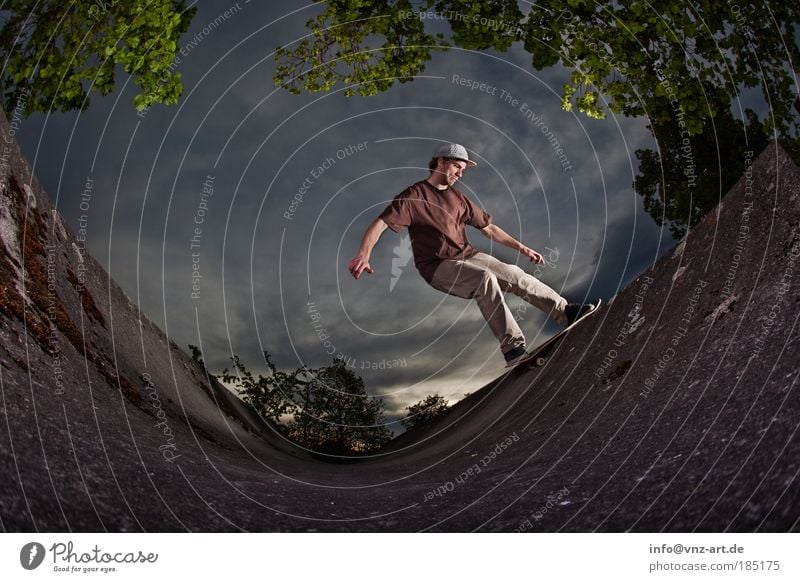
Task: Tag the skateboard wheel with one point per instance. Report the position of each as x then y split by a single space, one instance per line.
540 361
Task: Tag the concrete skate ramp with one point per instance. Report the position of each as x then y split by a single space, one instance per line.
674 408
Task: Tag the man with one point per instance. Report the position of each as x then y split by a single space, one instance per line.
435 214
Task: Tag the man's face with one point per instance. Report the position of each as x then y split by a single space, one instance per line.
451 169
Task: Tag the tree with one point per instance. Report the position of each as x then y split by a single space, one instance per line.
326 410
634 58
341 47
55 53
335 415
197 356
424 410
682 65
338 51
669 61
686 178
272 395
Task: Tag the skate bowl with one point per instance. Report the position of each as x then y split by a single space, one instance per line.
674 408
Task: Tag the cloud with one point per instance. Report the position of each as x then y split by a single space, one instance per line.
272 153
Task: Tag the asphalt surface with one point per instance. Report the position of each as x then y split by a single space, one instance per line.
674 408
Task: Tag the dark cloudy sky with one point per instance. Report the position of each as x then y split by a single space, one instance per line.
254 146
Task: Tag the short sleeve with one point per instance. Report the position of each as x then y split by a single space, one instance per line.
398 214
476 216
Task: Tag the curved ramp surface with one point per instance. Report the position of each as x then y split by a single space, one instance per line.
674 408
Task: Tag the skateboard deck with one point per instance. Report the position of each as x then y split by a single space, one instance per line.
538 356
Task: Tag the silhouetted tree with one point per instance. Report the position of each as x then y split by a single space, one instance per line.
272 395
197 356
326 410
686 178
335 415
424 410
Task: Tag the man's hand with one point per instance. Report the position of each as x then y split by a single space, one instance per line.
371 236
358 266
534 256
497 234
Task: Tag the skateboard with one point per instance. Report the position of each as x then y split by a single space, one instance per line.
538 355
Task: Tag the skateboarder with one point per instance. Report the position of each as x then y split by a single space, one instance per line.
435 214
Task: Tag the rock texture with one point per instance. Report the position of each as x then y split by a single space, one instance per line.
675 408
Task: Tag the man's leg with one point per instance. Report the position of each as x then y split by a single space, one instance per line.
513 279
462 279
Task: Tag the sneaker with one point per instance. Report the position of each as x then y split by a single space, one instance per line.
574 311
515 355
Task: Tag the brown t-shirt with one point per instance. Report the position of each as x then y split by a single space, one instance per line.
435 220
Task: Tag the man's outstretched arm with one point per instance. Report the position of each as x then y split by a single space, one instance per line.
497 234
361 261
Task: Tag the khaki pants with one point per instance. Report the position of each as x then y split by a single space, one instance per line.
486 279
